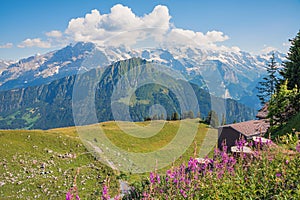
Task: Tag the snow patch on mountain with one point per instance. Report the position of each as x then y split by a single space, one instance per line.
235 72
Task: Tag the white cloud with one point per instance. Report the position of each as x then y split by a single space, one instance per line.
36 42
189 37
122 27
6 46
54 34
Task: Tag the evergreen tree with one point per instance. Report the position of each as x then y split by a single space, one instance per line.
267 87
175 116
199 115
212 119
282 104
184 115
155 117
190 114
162 117
223 119
291 70
285 102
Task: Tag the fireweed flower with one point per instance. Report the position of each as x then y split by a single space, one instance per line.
69 196
105 194
158 178
298 147
220 174
287 162
152 177
216 152
117 197
269 142
182 192
250 144
192 164
146 195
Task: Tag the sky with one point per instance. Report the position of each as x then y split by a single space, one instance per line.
31 27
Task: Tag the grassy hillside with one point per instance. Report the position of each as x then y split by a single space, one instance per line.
290 127
293 123
36 163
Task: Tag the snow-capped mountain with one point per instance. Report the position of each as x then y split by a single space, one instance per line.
4 64
229 74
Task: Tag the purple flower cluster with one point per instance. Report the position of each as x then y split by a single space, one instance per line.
70 194
185 179
241 143
298 147
105 195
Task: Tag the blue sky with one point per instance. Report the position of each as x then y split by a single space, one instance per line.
249 25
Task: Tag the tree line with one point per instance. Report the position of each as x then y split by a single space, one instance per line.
280 88
211 119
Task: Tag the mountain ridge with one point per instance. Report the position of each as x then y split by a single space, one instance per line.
238 72
50 105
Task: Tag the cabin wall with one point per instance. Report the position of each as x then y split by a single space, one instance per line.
229 135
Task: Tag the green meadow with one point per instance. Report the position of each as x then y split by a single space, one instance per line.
39 164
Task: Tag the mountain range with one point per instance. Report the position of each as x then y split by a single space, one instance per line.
227 74
37 92
89 98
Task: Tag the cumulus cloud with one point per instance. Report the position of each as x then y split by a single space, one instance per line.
120 26
6 46
36 42
207 40
123 27
54 34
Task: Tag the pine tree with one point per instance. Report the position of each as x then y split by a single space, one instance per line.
267 87
175 116
291 70
199 115
282 104
223 119
191 114
162 117
212 119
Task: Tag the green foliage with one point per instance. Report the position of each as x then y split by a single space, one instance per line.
175 116
291 70
283 103
267 87
292 125
289 138
267 174
212 119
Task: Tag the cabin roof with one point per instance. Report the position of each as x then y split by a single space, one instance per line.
263 112
250 128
